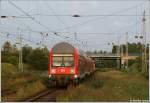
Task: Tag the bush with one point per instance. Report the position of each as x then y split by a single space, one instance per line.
26 50
8 69
38 58
134 68
28 67
30 90
10 58
24 90
132 62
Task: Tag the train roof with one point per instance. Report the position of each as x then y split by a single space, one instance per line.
82 53
63 47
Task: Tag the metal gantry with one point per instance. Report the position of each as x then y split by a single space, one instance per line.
20 50
126 49
144 45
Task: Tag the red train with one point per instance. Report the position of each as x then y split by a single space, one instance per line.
66 64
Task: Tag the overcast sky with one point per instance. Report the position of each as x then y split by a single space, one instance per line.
100 22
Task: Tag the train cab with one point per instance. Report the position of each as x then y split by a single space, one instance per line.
66 64
63 62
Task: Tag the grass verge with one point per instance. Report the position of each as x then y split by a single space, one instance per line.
111 85
17 86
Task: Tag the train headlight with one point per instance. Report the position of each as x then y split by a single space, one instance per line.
50 76
72 71
75 76
53 71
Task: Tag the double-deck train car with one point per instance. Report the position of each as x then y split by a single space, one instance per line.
67 63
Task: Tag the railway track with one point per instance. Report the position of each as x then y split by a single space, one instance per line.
46 96
50 95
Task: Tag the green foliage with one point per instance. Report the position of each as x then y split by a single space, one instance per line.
134 68
116 86
132 48
26 51
114 49
12 60
106 63
132 61
96 52
38 58
29 90
8 69
17 85
7 46
8 57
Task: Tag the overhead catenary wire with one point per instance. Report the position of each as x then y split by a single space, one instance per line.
32 18
25 39
82 15
100 33
119 37
136 5
109 33
134 25
94 33
12 36
58 18
103 17
55 33
54 14
85 15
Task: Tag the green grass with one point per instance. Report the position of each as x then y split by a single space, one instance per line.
110 85
135 69
17 85
8 69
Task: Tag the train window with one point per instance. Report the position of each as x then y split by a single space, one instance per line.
68 61
62 61
57 61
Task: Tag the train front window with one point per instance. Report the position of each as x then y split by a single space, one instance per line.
57 61
68 61
63 61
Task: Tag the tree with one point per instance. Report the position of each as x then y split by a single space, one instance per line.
8 55
7 47
114 49
26 50
132 48
38 58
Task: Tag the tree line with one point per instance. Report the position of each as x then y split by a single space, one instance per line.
133 48
36 57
